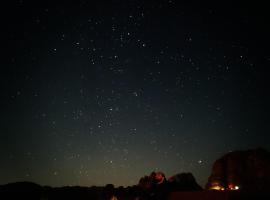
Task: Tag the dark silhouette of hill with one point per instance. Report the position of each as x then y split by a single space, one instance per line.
156 186
184 182
27 190
245 170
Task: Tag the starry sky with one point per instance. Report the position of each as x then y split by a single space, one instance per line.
97 92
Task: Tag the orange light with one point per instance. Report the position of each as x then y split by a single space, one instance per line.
217 187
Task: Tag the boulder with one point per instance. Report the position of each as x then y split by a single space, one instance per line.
184 182
245 170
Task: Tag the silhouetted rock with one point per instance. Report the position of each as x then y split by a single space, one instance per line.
145 183
153 186
155 178
108 192
183 182
245 170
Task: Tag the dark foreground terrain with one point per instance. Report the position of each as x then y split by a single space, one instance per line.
26 190
217 195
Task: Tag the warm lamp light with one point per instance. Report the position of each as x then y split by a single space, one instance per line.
216 187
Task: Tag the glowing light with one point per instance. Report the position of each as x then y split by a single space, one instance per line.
217 187
233 187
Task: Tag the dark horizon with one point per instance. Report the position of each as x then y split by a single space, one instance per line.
107 91
253 166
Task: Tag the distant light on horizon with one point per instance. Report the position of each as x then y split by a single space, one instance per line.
233 187
217 187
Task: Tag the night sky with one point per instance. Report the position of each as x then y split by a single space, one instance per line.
97 92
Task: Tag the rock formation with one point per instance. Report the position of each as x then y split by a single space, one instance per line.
151 181
178 182
241 170
184 182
